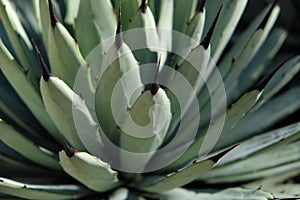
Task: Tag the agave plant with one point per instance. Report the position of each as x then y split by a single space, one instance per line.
102 100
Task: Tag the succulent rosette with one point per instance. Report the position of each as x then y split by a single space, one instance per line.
137 99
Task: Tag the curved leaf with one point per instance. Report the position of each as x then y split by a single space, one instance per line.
42 192
26 147
90 171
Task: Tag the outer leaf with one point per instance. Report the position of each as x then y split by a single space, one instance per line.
261 60
281 78
40 192
248 52
90 171
10 167
265 116
283 190
235 113
18 37
27 10
273 171
25 89
70 114
13 114
262 143
64 55
181 176
274 180
178 178
283 155
231 13
58 98
241 41
203 143
227 194
26 147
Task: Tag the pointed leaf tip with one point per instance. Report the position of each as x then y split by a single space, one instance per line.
155 86
119 37
68 149
206 40
220 155
265 20
200 5
53 16
45 70
262 84
144 6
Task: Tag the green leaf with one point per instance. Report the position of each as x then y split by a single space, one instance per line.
10 167
195 66
15 116
281 78
44 20
72 8
239 44
185 83
40 192
64 55
190 40
181 176
265 116
144 129
219 128
276 157
234 114
122 193
17 78
262 143
286 190
26 147
89 170
230 15
247 53
176 179
28 10
70 114
261 60
165 24
18 38
100 28
182 18
227 194
128 10
273 171
87 77
119 64
58 99
142 36
63 52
